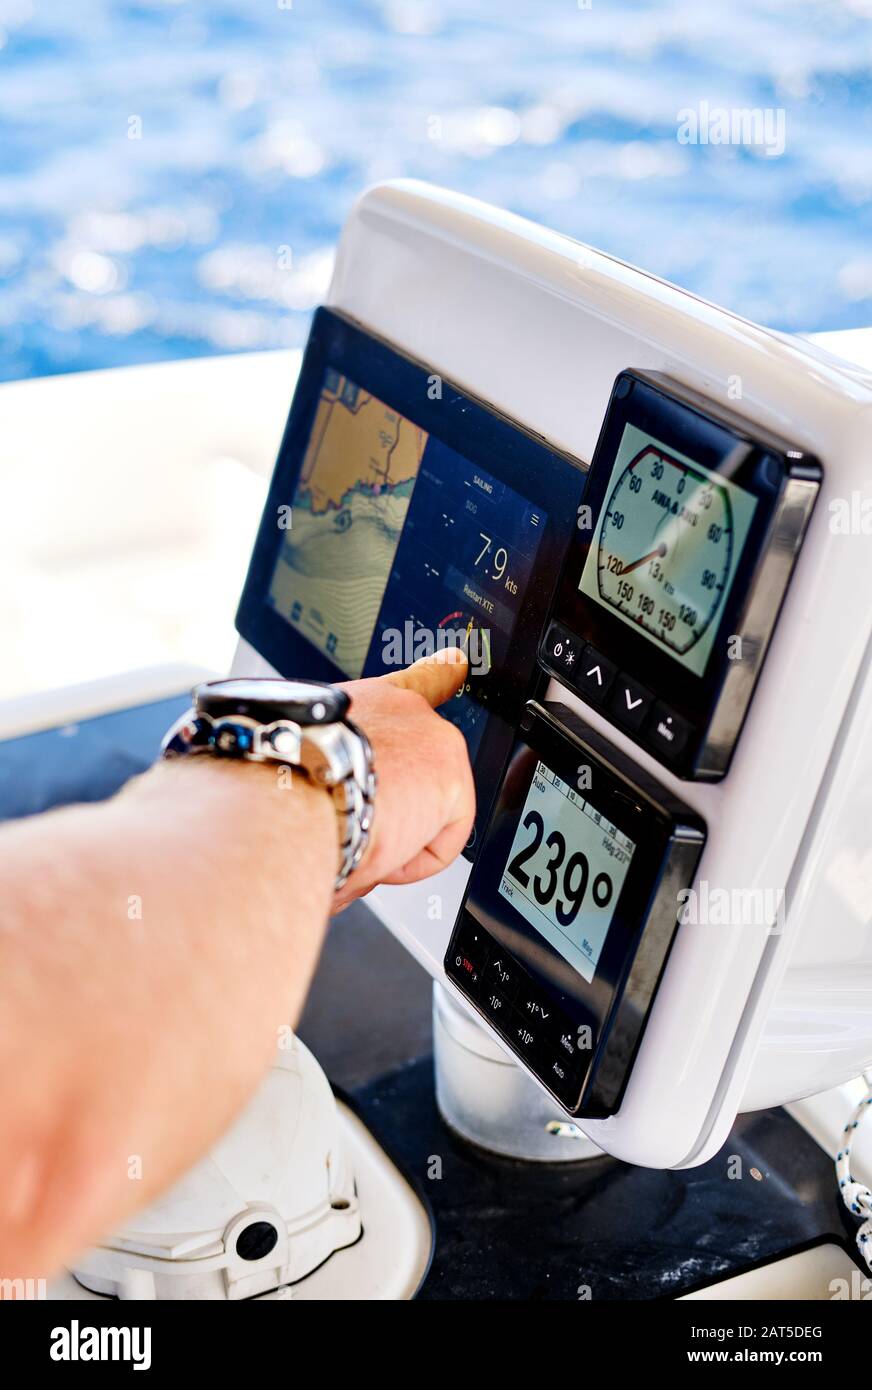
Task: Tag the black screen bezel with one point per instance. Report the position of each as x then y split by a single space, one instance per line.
723 447
599 1003
523 461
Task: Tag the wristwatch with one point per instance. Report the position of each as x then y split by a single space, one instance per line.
300 724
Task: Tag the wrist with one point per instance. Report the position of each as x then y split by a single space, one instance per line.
263 809
287 724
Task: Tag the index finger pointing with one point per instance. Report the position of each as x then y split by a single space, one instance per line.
436 677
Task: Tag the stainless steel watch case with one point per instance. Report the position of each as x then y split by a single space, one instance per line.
336 756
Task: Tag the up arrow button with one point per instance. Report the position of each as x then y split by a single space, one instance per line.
594 676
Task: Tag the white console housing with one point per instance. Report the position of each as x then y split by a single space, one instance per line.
539 326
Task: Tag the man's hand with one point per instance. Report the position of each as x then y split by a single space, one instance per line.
425 801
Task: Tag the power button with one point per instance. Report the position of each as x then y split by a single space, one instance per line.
562 650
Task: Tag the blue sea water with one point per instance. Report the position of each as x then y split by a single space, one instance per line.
174 173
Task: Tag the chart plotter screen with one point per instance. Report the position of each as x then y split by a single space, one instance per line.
398 544
403 516
348 512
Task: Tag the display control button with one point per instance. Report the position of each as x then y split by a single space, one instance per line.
563 650
466 972
563 1080
565 1044
667 733
558 1026
595 676
503 973
535 1009
474 942
527 1037
498 1009
630 702
467 958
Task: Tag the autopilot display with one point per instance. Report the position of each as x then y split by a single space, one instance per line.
572 906
566 867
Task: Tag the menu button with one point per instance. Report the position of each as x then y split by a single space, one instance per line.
566 1043
668 733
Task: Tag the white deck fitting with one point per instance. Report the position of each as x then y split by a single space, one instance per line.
389 1262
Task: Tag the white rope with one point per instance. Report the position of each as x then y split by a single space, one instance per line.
855 1195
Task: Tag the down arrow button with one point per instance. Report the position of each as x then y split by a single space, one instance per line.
630 703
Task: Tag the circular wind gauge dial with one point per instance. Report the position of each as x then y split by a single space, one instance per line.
665 548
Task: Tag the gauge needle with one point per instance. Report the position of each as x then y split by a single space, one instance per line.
652 555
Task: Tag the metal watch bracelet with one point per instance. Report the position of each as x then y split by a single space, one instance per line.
335 756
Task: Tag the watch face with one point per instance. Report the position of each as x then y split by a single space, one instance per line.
304 702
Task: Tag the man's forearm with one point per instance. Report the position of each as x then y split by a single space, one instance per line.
136 937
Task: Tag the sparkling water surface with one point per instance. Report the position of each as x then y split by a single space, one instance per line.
174 173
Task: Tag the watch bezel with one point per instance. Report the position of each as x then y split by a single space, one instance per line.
281 700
